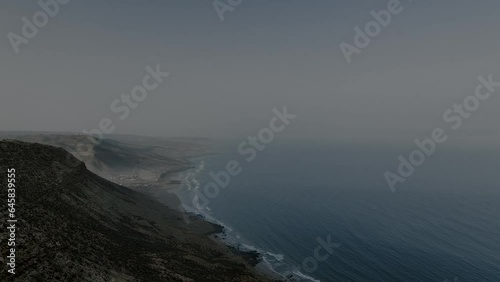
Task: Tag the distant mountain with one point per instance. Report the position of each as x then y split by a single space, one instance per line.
76 226
110 158
150 165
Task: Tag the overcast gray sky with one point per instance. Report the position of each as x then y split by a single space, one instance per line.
225 77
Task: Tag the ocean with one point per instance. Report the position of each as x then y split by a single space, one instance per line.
324 212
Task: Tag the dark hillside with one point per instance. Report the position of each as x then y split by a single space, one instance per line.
85 228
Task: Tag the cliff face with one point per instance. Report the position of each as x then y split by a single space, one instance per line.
75 226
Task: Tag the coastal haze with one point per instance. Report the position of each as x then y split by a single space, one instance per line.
250 140
226 76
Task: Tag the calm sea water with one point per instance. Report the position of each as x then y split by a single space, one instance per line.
442 224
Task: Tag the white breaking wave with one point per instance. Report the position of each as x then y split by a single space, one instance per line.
278 257
272 261
302 275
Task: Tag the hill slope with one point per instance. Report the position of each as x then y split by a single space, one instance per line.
85 228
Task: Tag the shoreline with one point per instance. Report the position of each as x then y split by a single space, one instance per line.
254 258
166 192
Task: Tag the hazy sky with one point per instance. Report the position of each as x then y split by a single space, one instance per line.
226 77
